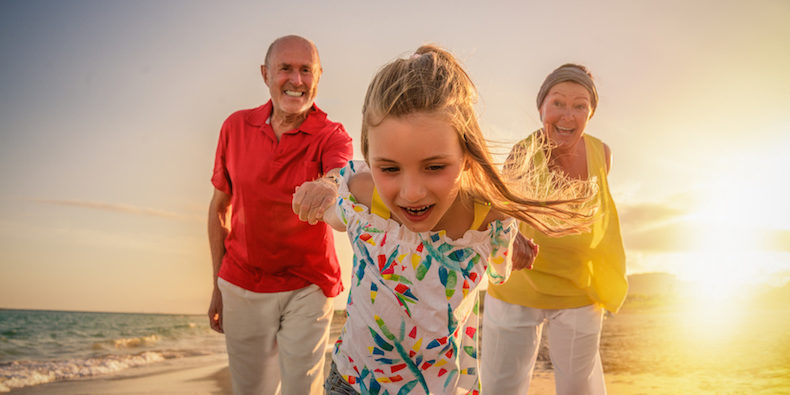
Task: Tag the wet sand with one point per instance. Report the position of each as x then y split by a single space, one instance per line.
644 350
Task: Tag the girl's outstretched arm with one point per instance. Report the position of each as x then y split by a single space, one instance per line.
313 200
524 250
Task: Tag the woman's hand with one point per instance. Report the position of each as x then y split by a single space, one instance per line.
524 252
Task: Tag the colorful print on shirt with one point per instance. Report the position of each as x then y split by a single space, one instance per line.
413 302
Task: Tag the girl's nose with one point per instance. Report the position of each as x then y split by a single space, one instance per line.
412 190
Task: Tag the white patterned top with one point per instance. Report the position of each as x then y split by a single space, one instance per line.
413 305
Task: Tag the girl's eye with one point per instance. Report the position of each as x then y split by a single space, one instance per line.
435 167
390 169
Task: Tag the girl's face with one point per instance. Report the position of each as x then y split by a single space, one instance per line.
416 163
565 113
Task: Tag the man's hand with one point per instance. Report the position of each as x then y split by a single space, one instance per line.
313 198
524 252
215 311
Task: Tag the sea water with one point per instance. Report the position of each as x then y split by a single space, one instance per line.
38 347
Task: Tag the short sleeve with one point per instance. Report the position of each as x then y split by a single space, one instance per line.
502 236
220 177
338 150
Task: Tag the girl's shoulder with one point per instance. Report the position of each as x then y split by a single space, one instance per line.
357 181
361 186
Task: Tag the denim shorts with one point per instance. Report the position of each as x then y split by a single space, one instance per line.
335 384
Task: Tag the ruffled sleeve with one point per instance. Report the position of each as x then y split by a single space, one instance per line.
502 235
348 208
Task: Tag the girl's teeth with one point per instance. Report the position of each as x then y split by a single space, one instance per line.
417 210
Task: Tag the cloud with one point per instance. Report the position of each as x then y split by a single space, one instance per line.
775 239
670 236
123 208
642 216
661 227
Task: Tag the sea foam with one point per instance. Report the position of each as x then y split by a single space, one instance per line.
39 347
19 374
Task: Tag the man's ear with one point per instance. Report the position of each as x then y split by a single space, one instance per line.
265 74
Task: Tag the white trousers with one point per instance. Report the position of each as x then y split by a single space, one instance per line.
276 341
511 340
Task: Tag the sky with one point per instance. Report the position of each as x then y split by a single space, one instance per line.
110 114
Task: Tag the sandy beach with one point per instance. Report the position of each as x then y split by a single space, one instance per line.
202 375
196 375
206 376
210 375
645 350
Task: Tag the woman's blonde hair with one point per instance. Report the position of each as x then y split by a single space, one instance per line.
433 81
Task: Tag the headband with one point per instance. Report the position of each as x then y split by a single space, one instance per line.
569 73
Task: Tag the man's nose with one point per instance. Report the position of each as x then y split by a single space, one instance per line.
295 78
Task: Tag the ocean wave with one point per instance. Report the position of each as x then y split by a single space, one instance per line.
127 342
20 374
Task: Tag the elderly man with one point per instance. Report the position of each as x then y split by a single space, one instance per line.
274 275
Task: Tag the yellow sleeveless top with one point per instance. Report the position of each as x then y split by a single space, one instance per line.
378 207
576 270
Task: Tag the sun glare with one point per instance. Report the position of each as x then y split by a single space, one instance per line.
728 252
724 266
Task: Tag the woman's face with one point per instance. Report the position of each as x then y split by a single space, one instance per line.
565 113
416 163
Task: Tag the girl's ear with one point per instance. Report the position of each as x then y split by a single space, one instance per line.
467 162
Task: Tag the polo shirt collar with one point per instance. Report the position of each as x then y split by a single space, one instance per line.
315 118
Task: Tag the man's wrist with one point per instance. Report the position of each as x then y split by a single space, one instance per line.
332 178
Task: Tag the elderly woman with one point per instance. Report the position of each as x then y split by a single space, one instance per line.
574 278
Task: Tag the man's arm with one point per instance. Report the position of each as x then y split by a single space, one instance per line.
313 201
217 231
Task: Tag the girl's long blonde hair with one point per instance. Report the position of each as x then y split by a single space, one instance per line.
433 81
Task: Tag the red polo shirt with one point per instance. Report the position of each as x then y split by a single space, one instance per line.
268 249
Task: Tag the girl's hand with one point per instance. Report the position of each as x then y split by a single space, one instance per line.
524 252
313 198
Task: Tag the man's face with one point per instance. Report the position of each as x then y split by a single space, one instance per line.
292 76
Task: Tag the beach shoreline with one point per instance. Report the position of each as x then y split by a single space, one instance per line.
192 375
210 375
646 350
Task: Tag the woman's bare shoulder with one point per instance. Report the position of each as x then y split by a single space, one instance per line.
493 215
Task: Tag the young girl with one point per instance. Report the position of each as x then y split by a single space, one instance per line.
428 216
